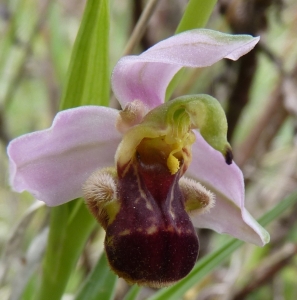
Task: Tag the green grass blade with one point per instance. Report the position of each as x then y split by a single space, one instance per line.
214 259
87 83
100 284
196 14
132 293
281 207
69 231
88 74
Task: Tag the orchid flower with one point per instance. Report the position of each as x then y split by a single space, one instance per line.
151 172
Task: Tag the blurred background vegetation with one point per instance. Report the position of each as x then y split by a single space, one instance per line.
258 92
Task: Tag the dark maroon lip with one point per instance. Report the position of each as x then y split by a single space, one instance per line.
152 240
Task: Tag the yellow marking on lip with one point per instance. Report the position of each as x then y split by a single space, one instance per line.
152 229
125 232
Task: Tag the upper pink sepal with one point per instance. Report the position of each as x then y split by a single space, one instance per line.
53 164
145 77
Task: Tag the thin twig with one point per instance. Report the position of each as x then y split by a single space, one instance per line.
13 245
244 17
140 27
27 52
239 97
4 136
267 270
265 127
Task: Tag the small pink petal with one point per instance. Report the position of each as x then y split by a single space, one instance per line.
53 164
228 214
146 77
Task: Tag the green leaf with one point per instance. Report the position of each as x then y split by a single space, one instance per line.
100 284
88 74
281 207
196 14
214 259
132 293
87 83
70 228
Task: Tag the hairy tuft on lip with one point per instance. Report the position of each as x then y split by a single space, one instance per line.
197 197
100 193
